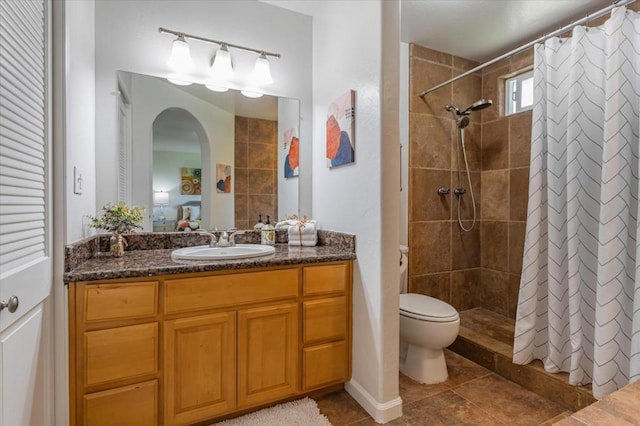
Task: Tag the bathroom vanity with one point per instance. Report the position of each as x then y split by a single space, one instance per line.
183 343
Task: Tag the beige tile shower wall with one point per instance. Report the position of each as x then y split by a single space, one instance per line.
255 187
444 262
506 145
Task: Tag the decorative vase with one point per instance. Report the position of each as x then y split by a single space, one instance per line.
116 245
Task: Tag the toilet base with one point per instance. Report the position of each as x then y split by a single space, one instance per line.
424 365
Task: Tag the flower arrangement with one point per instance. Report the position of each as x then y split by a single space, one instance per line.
118 218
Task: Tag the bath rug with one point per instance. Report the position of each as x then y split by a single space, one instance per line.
303 412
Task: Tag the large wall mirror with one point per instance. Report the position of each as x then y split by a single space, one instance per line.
195 158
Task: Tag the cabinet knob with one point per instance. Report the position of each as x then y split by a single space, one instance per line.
11 305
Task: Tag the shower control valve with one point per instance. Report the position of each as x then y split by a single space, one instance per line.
459 191
443 191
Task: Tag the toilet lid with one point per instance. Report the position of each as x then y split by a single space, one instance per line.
426 308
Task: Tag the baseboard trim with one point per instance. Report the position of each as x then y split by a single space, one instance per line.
380 412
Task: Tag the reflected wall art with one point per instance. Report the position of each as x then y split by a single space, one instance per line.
292 148
191 181
223 178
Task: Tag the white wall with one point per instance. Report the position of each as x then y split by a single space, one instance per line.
127 39
288 188
166 177
79 121
363 198
151 96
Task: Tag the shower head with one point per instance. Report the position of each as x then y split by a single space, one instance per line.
463 121
478 105
462 117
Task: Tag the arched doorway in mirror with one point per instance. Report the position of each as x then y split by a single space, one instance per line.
179 190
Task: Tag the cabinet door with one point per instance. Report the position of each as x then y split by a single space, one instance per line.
267 354
134 405
199 367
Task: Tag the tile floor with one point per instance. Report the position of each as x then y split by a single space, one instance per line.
472 395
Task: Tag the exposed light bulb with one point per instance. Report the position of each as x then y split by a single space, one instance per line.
222 68
178 80
251 93
180 59
261 71
216 87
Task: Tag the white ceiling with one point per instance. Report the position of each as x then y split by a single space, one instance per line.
475 29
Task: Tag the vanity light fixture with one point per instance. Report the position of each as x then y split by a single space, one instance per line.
216 87
261 71
222 67
180 59
252 93
178 80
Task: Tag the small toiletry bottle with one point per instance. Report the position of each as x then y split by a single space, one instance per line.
258 226
268 233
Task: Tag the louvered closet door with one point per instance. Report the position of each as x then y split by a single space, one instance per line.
25 265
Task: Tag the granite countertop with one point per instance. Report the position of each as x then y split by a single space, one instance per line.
143 263
90 264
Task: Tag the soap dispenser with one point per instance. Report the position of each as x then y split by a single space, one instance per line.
258 226
268 233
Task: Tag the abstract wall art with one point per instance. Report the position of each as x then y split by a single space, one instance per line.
191 181
340 130
223 178
292 148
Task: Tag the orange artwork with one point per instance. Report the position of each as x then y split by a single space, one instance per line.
223 178
340 130
292 160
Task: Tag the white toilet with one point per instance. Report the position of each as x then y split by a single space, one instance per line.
427 326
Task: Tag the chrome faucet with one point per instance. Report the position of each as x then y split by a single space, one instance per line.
214 240
232 236
227 238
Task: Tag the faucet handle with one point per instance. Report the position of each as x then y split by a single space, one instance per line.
233 233
211 234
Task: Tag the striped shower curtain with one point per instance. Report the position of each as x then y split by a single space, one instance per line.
579 302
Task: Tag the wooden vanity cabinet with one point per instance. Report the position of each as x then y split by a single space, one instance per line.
183 349
326 325
200 364
114 353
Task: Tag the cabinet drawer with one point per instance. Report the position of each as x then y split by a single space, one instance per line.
135 405
324 364
120 353
190 294
325 279
120 301
325 319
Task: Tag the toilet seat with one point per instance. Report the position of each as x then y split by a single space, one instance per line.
425 308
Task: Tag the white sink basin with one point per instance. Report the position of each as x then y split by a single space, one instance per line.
239 251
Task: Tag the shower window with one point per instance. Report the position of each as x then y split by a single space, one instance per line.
519 93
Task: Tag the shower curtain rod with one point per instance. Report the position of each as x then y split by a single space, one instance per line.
524 47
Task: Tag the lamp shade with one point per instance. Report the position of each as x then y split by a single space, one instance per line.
261 71
180 59
160 198
222 68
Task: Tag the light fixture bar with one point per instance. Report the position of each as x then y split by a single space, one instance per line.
208 40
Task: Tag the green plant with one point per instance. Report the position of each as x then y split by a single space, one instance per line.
118 218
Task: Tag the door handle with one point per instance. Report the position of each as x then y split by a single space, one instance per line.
11 305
